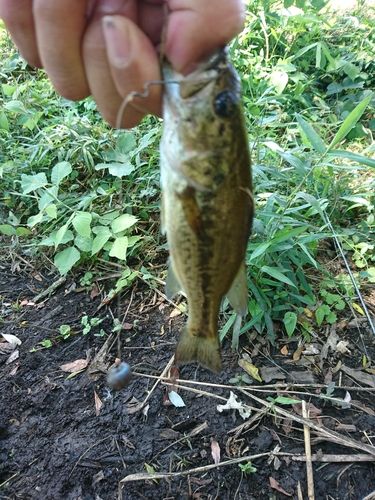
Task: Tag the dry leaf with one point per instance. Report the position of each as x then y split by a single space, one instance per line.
269 373
14 369
358 308
97 477
297 353
331 343
75 366
287 425
6 348
328 376
38 277
364 378
251 369
200 482
176 312
15 355
284 351
133 406
311 409
94 292
98 403
310 350
342 347
169 434
276 486
215 451
233 404
12 339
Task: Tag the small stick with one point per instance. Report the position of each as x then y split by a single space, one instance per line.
163 475
49 291
361 457
163 375
371 496
309 468
323 431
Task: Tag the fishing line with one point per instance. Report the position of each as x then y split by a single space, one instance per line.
339 247
130 97
363 304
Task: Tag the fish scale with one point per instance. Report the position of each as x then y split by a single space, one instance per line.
207 205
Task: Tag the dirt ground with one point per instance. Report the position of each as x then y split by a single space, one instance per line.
68 436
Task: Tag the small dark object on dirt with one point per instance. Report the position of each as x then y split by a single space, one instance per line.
119 376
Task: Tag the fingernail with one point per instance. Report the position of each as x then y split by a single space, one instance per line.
110 6
117 40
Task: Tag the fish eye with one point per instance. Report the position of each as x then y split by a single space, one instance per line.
225 104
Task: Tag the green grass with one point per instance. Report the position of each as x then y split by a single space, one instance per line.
77 191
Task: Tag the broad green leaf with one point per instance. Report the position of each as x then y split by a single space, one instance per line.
290 322
35 219
51 211
288 3
100 240
4 122
50 240
22 231
30 183
117 169
132 240
287 401
49 196
8 89
32 121
280 80
84 244
321 312
125 143
66 259
316 141
278 275
81 223
123 222
16 107
60 234
350 121
60 171
119 247
334 88
7 229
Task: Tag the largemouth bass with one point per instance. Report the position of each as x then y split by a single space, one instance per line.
207 205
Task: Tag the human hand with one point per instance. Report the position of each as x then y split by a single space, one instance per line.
108 48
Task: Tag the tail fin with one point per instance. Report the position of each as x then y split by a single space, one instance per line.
204 350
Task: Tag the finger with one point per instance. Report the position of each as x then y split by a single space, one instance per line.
18 18
59 29
120 59
190 34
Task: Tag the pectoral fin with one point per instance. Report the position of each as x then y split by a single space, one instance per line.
173 286
237 294
191 210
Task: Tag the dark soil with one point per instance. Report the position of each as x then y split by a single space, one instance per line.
56 444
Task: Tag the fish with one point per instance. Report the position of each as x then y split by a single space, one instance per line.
207 203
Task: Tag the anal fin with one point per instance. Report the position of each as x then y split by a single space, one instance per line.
173 285
237 294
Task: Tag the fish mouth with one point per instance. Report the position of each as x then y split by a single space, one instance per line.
180 86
